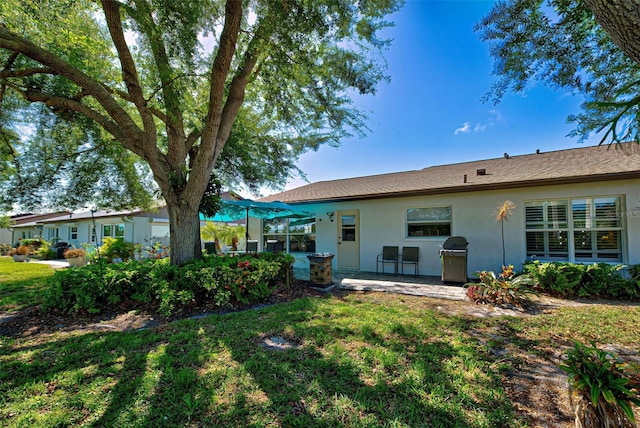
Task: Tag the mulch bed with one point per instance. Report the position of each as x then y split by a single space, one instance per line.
129 315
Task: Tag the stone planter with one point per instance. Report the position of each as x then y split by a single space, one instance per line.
77 261
19 257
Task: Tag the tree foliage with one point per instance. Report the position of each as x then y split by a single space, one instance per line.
180 91
561 43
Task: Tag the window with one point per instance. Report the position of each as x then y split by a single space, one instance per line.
113 230
578 230
73 232
597 229
547 230
298 234
348 232
425 222
52 233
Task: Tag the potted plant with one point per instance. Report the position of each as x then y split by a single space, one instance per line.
76 256
4 249
20 254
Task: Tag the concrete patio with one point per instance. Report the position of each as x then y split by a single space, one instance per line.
428 286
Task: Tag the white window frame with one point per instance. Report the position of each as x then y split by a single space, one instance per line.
73 230
113 227
427 222
594 224
282 230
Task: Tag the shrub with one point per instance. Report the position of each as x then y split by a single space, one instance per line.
116 249
4 249
506 288
156 251
218 280
34 243
633 284
584 280
45 251
604 386
72 253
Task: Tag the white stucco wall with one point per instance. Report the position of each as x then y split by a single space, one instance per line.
5 236
383 222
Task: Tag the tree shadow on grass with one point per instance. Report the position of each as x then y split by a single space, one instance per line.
330 382
216 372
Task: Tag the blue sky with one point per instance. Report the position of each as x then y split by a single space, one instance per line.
431 112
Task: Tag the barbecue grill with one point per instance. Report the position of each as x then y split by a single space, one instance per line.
454 259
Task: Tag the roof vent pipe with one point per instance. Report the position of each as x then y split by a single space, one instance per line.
537 151
506 155
465 178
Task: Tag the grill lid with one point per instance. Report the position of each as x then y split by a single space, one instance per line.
455 243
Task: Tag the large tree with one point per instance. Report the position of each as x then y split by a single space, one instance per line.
590 47
166 80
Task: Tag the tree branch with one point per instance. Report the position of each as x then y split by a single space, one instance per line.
219 71
14 156
26 72
127 97
174 119
18 44
191 139
152 154
68 104
237 89
621 20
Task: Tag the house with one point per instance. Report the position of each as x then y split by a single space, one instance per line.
581 205
23 226
89 228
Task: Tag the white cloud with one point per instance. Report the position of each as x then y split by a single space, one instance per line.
464 129
495 117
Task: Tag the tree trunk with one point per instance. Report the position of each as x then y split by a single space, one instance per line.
184 223
621 20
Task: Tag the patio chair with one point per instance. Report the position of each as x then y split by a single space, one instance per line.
389 255
252 246
210 247
410 256
274 246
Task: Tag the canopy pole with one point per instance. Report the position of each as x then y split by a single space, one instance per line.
246 232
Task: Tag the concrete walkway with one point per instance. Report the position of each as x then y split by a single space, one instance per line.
55 264
428 286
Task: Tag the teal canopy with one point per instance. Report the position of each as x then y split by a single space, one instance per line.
232 210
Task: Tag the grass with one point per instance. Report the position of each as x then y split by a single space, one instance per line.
22 284
360 364
364 360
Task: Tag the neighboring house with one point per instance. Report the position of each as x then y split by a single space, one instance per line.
578 205
77 229
23 226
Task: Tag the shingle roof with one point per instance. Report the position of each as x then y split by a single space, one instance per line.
584 164
160 213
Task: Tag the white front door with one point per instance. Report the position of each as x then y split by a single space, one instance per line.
348 240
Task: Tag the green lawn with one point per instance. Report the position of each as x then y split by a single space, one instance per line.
22 284
364 360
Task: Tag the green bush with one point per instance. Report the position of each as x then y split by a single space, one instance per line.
35 243
506 288
584 280
218 280
113 249
603 386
